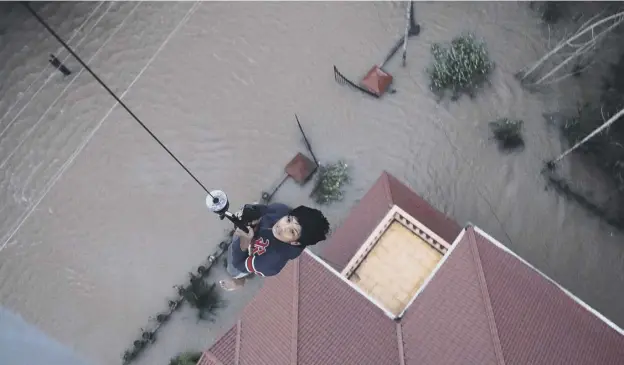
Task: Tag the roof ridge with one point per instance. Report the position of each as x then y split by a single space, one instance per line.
239 326
294 354
400 343
498 349
351 285
385 178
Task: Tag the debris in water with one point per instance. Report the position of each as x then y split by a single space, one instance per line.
508 133
461 66
377 80
300 168
54 61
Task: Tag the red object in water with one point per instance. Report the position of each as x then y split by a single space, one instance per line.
300 168
377 81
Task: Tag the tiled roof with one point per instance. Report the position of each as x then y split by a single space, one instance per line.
293 320
449 320
538 322
364 217
482 305
486 306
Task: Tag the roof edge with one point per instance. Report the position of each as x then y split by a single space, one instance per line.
368 243
435 270
350 284
207 355
385 178
567 292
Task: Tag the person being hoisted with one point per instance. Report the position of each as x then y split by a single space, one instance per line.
277 234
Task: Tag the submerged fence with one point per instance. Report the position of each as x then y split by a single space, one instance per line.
341 79
612 216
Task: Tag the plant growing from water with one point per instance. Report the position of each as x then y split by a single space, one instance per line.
508 133
186 358
462 66
198 293
202 296
330 182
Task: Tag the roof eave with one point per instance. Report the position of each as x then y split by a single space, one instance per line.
568 293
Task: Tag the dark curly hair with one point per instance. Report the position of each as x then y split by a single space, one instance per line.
314 225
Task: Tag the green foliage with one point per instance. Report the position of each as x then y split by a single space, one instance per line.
203 296
508 133
330 182
462 66
186 358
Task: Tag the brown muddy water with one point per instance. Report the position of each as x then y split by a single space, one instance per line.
98 223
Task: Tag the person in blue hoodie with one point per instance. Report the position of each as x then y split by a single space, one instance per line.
280 235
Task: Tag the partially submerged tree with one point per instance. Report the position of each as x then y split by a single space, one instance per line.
462 66
598 132
330 182
550 11
576 49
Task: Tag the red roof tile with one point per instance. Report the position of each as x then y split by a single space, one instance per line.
340 328
337 325
448 321
224 349
420 209
359 224
366 215
268 321
537 322
482 306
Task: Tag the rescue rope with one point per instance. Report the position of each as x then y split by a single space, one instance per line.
71 51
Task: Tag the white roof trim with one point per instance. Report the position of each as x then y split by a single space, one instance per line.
576 299
422 227
425 234
369 243
435 270
352 285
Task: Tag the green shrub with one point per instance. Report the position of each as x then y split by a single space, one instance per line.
186 358
508 133
203 296
330 182
462 66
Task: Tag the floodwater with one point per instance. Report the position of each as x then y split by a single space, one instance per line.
98 223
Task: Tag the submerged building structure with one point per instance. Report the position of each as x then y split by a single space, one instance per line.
399 283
